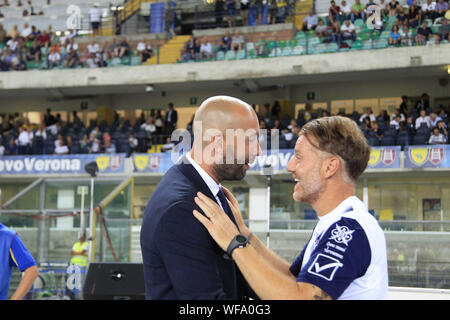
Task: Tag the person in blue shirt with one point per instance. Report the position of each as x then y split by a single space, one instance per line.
345 257
13 253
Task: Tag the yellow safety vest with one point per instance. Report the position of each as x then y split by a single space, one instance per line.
78 248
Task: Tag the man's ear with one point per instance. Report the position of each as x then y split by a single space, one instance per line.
331 166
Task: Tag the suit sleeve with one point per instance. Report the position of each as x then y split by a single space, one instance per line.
189 255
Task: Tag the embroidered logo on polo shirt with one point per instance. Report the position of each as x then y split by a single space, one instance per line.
341 234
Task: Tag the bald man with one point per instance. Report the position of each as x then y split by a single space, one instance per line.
181 260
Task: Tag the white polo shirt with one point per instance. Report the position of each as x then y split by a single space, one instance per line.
346 255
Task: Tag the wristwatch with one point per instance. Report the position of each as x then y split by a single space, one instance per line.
239 241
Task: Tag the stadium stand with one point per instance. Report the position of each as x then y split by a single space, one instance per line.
19 136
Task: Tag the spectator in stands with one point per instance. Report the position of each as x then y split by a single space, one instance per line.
437 137
376 130
11 148
272 11
346 11
13 44
260 49
85 144
238 41
394 8
434 119
49 119
206 50
423 119
395 122
358 11
442 112
444 29
321 30
60 146
188 50
94 146
2 147
244 11
34 53
93 47
171 118
231 11
440 8
334 12
3 35
26 32
334 32
384 11
282 10
72 57
53 58
423 33
310 21
159 123
13 32
428 10
257 9
24 141
112 49
109 147
219 12
44 39
144 50
348 31
92 61
434 40
413 15
398 113
225 43
123 49
41 132
133 144
442 128
169 19
410 126
402 19
394 36
149 126
95 17
423 104
404 105
406 37
168 146
369 114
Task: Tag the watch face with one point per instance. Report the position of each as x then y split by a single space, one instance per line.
241 239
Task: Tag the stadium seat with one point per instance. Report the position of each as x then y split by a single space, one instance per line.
359 23
220 55
320 48
240 54
287 51
387 141
420 139
275 52
380 44
230 55
298 50
332 47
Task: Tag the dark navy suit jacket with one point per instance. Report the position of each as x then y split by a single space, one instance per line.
180 258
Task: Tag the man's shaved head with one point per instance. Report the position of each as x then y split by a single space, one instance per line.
224 112
226 132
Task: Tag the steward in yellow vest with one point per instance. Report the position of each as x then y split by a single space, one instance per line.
79 252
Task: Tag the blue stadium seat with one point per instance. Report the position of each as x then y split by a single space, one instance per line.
420 139
388 141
